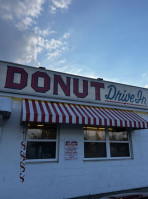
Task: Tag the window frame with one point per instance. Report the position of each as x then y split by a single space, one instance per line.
45 140
108 141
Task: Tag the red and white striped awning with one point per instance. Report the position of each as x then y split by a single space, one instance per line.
54 112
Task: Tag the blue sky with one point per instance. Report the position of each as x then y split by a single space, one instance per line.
94 38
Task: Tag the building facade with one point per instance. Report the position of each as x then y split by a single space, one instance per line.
63 136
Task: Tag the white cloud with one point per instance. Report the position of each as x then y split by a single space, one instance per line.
22 13
146 86
56 48
62 61
144 74
34 45
67 67
53 44
54 55
25 23
23 48
30 51
66 35
44 32
27 39
59 4
27 47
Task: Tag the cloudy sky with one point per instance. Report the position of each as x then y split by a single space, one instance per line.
94 38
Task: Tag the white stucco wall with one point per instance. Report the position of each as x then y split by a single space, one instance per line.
71 178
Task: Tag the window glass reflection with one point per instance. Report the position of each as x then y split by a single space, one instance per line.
119 149
44 132
94 133
118 134
94 150
41 150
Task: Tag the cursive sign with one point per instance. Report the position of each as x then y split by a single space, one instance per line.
117 95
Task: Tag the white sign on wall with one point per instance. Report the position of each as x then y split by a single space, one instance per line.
71 150
32 81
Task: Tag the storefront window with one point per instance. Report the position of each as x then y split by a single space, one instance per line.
41 141
119 142
106 143
94 142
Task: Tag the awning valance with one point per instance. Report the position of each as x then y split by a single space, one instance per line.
55 112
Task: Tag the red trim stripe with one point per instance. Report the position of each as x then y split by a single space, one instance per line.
110 119
35 111
49 113
97 116
63 114
136 122
104 116
144 122
117 116
107 111
70 116
56 113
76 115
141 123
121 118
27 110
42 112
96 109
87 110
82 114
122 114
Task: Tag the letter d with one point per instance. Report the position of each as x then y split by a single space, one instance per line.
111 93
10 78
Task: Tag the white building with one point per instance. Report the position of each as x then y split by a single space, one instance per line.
63 136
